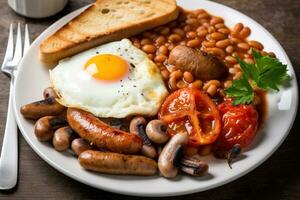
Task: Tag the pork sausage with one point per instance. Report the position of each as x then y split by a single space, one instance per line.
115 163
102 135
45 107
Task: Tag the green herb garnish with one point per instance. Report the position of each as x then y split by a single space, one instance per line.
267 73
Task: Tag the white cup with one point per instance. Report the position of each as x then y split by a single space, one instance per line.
37 8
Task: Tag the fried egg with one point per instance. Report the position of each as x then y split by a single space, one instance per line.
112 80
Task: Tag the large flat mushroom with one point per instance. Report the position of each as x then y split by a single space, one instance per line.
202 65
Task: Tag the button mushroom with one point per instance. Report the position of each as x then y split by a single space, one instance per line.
49 92
137 127
80 145
156 131
62 138
171 154
44 127
202 65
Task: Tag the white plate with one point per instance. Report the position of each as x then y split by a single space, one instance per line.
33 78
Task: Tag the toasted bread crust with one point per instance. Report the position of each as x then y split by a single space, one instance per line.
79 34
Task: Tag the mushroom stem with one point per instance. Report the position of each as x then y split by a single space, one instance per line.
178 156
171 154
142 134
233 153
193 166
137 127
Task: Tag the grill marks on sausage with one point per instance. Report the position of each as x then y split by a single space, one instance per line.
102 135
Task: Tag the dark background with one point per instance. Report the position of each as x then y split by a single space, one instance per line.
277 178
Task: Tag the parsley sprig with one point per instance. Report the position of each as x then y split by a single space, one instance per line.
266 73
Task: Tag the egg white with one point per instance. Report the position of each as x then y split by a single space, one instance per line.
141 92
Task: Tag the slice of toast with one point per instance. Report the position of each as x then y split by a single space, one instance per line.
106 21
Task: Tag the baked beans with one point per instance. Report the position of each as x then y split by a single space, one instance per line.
199 30
145 41
174 38
160 58
237 28
217 36
231 60
160 40
243 46
193 43
148 48
216 20
255 44
165 74
163 50
202 32
191 34
223 43
229 49
196 84
181 84
204 15
179 32
208 43
188 77
220 25
245 32
216 52
225 31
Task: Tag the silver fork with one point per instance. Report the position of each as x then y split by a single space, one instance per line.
9 153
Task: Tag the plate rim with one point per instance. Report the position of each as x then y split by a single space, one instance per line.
74 13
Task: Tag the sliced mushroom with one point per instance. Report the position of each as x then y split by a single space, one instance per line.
169 158
202 65
156 131
193 166
137 127
44 127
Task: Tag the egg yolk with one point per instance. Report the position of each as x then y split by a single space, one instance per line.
107 67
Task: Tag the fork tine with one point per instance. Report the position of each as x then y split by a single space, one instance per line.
10 45
18 48
26 40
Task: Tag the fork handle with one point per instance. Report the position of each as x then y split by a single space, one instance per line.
9 153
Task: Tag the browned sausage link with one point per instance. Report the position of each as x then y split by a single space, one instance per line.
102 135
44 127
115 163
38 109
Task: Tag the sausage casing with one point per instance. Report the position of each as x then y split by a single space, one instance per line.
102 135
115 163
45 107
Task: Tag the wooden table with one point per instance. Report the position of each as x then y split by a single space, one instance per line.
277 178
